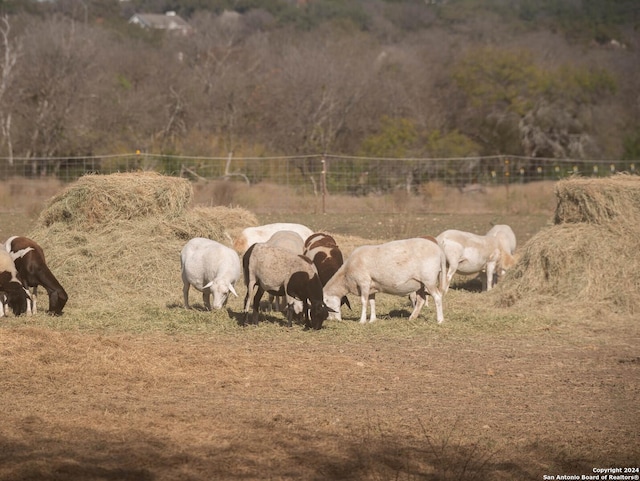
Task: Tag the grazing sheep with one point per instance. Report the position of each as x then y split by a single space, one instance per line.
211 268
288 240
32 269
469 253
12 292
263 233
507 239
505 235
323 250
283 273
398 267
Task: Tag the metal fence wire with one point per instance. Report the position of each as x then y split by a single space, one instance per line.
336 174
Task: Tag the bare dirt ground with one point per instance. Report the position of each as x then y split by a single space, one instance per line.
559 399
85 406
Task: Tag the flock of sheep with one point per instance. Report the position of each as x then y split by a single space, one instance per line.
308 271
303 271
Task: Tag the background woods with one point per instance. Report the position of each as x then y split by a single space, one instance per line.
376 78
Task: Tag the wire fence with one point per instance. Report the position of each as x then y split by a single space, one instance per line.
336 174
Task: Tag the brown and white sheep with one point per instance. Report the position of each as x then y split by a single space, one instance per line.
283 273
33 271
323 250
12 292
288 240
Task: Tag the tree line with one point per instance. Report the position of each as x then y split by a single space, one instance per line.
395 78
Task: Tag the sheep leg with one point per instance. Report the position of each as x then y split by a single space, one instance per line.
256 305
413 299
31 304
251 285
372 305
364 296
453 267
491 266
206 298
290 312
185 294
437 300
421 299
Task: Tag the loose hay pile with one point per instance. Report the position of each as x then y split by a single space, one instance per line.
96 200
590 256
115 240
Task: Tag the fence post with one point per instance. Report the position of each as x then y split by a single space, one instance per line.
323 183
506 178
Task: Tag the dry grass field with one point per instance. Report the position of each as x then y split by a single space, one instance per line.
517 383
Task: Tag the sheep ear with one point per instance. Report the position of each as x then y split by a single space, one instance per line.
329 309
207 285
233 291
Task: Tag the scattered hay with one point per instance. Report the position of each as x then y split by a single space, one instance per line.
111 238
234 219
96 200
218 223
589 256
117 263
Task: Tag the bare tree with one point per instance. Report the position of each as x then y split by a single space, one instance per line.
310 92
224 57
58 54
11 51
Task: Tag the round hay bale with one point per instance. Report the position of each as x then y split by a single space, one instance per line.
597 201
96 200
570 261
589 256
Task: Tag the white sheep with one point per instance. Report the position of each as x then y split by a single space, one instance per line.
211 268
505 235
263 233
288 240
469 253
398 267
